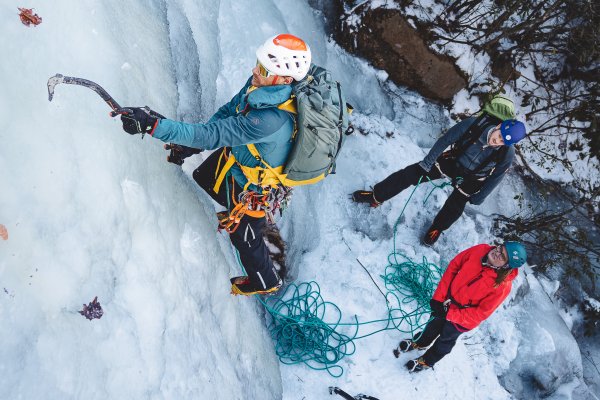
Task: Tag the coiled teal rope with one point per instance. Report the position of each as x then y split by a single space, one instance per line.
414 282
301 335
307 329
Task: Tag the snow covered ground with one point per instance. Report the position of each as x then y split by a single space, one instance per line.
91 211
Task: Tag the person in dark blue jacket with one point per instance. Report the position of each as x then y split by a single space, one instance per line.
482 152
258 123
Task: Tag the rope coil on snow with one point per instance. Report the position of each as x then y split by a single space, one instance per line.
298 314
301 335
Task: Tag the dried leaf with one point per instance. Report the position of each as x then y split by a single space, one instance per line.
28 17
92 310
3 232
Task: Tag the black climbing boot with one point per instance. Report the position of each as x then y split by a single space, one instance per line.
416 365
364 196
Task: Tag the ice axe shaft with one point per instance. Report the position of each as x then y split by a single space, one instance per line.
58 78
340 392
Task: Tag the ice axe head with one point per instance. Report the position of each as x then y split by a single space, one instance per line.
52 82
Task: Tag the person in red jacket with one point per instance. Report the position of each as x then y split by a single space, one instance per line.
475 283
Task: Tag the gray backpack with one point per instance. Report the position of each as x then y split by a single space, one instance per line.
321 131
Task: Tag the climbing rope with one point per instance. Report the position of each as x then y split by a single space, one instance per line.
307 329
414 282
301 335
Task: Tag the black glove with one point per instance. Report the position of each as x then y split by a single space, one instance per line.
457 181
139 119
179 153
438 309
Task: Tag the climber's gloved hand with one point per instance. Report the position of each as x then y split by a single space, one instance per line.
457 181
179 153
438 309
139 119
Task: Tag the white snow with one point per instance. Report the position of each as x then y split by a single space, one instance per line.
92 211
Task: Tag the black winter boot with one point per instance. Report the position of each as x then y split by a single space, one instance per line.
431 236
405 346
364 196
416 365
242 285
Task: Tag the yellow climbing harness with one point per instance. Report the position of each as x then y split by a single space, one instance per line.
262 175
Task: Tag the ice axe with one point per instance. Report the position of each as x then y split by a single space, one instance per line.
340 392
58 78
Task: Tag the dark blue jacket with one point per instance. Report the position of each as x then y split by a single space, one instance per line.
472 157
250 117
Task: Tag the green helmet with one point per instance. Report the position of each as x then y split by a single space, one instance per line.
517 256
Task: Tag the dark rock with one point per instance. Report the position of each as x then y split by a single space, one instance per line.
389 42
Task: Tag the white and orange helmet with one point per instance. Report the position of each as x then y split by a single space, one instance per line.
285 55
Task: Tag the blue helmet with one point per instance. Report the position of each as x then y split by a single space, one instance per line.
517 256
512 131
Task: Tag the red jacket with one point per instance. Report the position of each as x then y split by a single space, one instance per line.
470 283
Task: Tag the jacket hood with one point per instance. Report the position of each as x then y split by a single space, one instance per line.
484 135
269 96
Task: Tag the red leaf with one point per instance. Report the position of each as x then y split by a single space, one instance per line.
28 17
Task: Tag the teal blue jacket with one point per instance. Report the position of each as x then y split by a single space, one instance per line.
247 118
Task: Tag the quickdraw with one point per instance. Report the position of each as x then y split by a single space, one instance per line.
255 205
278 200
250 203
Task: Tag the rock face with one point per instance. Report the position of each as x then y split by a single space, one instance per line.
389 42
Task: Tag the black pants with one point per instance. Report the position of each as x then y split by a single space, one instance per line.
248 237
409 176
448 334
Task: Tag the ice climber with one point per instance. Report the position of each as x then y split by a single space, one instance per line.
260 118
482 152
475 283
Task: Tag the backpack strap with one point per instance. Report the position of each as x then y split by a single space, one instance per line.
289 105
473 133
256 173
495 157
276 172
220 173
471 137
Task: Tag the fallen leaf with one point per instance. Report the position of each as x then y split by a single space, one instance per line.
3 232
28 17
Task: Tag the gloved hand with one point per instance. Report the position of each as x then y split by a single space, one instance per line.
457 181
139 119
438 309
179 153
